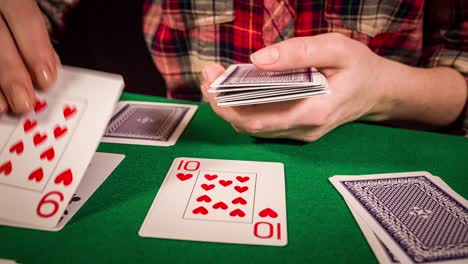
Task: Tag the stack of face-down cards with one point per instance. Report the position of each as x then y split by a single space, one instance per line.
244 84
411 217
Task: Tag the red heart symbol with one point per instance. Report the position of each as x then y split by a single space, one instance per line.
220 205
49 154
69 111
239 200
268 212
39 106
36 175
204 198
237 212
28 125
6 168
59 131
211 177
17 148
225 183
65 177
241 189
207 187
183 176
242 179
39 138
200 210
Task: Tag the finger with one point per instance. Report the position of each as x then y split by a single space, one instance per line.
321 51
3 103
15 82
306 134
30 33
210 72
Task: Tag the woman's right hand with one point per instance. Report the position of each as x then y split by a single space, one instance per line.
27 58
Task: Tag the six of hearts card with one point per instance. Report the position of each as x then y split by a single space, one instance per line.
45 153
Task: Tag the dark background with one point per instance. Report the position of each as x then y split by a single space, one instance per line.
107 35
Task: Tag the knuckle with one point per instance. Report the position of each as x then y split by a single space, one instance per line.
321 119
339 43
35 15
252 126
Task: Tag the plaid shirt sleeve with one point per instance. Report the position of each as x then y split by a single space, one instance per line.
54 12
446 42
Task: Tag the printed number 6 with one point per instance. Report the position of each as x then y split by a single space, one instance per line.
44 201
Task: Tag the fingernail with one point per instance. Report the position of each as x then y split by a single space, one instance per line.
45 73
265 56
21 100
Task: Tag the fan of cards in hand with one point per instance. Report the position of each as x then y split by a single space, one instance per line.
244 84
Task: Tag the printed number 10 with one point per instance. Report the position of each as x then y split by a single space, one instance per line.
265 230
191 165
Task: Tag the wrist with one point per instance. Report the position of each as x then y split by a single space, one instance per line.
384 74
425 97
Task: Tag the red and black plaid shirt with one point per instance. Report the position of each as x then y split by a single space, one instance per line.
183 36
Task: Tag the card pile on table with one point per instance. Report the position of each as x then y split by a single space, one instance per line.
410 217
148 123
244 84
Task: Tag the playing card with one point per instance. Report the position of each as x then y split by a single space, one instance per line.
416 217
224 201
247 75
45 153
145 123
39 140
231 96
382 253
100 168
270 99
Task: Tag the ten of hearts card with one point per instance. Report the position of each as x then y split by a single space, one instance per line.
224 201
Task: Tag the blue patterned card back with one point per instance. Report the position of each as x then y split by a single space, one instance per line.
426 222
149 122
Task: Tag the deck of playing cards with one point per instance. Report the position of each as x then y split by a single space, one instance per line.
244 84
409 217
44 154
226 201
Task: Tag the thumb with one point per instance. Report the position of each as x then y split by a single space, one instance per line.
321 51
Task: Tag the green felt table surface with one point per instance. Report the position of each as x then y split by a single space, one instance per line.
320 227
